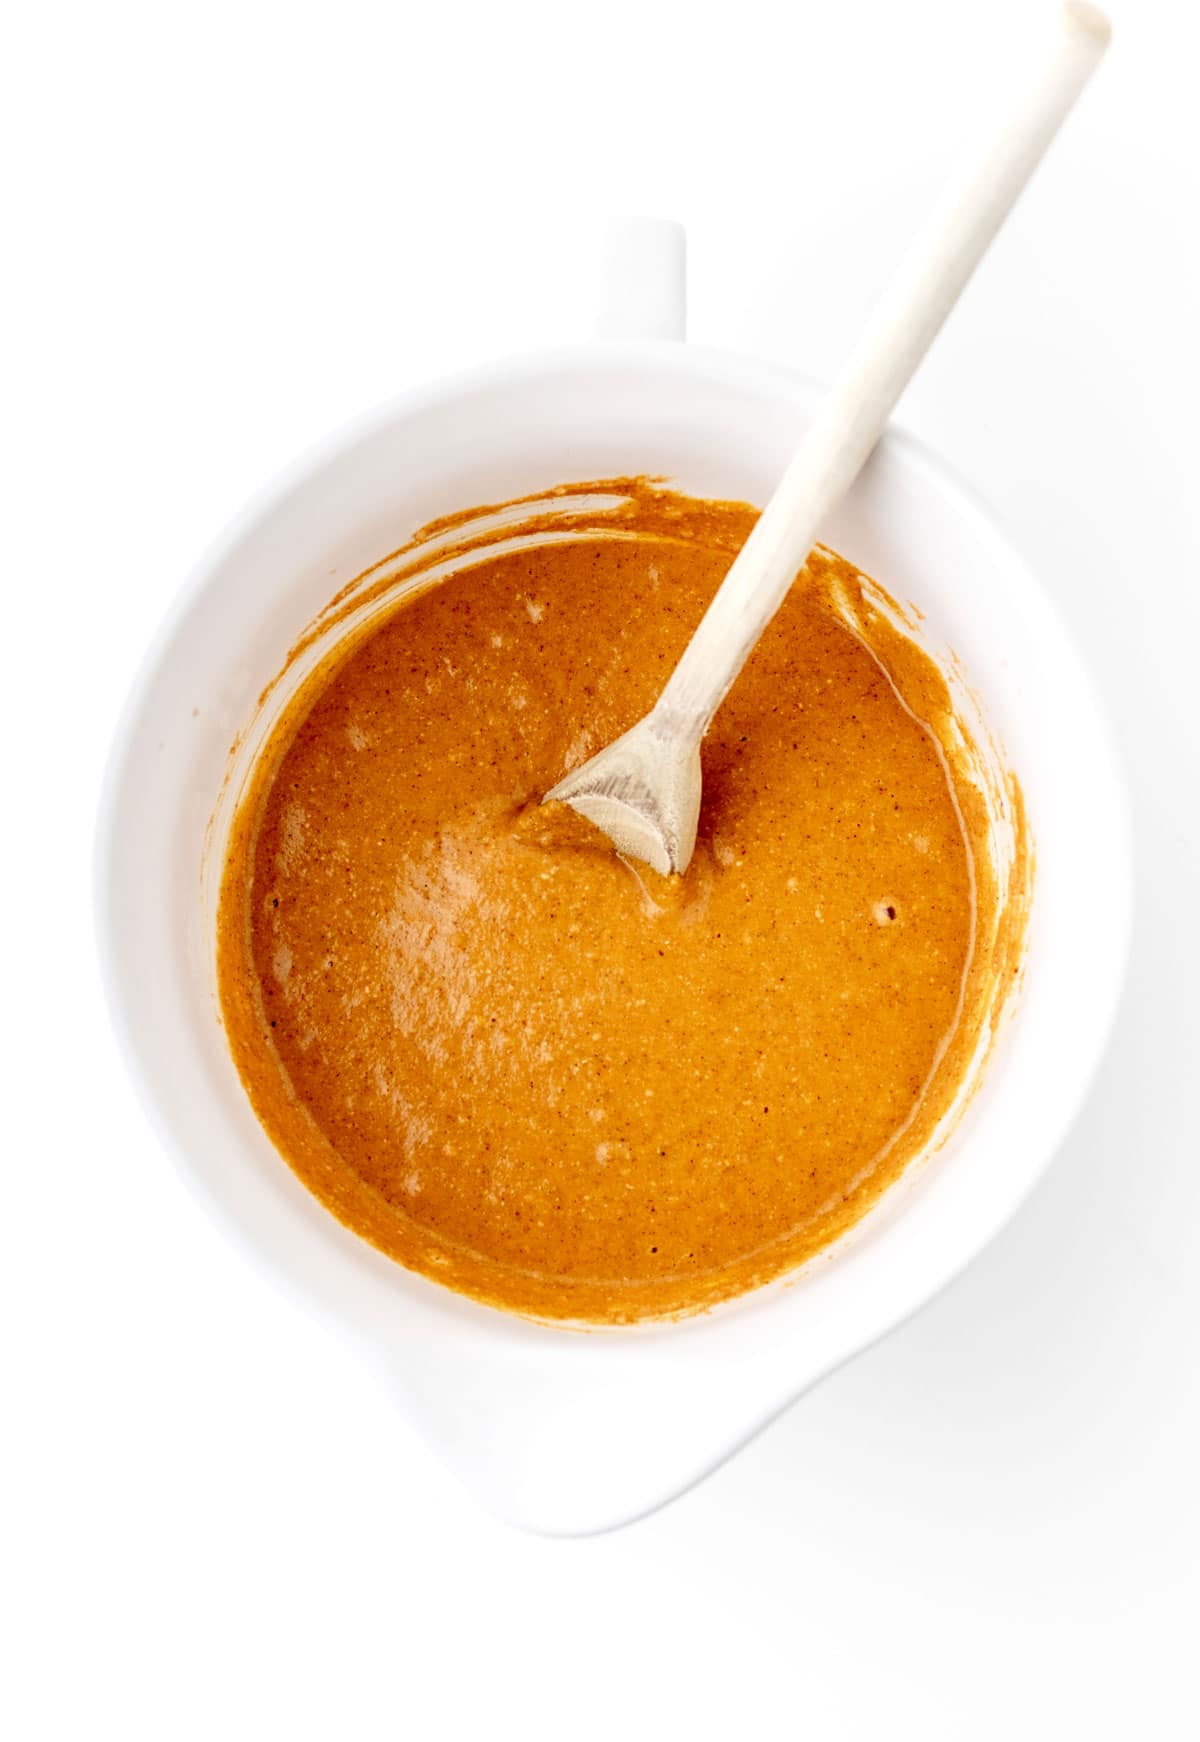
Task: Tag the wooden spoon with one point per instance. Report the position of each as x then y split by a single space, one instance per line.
643 790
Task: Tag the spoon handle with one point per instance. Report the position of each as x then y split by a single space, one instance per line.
903 327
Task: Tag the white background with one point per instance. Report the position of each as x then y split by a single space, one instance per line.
232 226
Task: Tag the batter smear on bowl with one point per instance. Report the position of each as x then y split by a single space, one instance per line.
540 1073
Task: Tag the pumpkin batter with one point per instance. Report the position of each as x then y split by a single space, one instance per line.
538 1072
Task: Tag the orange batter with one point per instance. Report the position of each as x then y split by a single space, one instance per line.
540 1073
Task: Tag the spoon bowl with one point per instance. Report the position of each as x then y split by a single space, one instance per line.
643 791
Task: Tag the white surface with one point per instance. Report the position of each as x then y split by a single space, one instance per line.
234 228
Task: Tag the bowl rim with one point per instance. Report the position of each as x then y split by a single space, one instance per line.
741 372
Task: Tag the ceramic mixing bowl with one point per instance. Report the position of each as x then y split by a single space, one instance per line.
563 1430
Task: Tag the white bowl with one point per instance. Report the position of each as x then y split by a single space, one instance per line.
559 1430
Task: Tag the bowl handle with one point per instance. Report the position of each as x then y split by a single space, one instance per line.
643 287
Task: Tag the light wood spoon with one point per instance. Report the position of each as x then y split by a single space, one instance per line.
643 790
